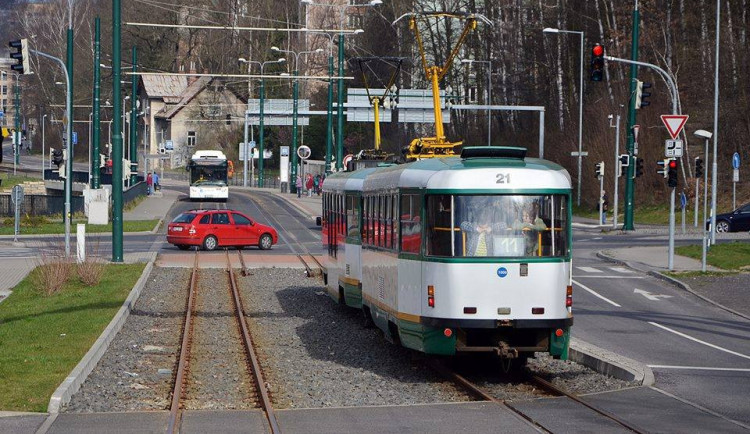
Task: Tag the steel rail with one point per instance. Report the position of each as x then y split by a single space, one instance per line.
244 269
248 343
174 413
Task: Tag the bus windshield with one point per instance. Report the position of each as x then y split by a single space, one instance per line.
518 226
208 174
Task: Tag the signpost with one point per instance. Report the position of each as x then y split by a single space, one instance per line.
673 148
17 197
735 177
683 204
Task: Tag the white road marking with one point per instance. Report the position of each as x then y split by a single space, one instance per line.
699 341
650 296
699 368
597 294
608 277
589 269
621 270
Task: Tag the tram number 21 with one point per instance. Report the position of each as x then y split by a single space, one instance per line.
502 178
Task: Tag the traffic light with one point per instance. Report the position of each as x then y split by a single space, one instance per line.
57 157
126 169
698 167
229 119
597 62
600 169
638 167
102 160
672 174
21 55
640 95
622 164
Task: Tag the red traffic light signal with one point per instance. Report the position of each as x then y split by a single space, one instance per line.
597 62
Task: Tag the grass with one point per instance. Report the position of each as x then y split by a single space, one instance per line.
645 214
43 338
56 228
727 256
9 180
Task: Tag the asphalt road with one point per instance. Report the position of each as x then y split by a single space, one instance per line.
698 352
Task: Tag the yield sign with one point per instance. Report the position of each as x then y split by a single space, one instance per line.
674 124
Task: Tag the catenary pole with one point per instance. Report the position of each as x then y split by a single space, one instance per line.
629 180
117 137
133 121
96 127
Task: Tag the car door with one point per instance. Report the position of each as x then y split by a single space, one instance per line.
222 228
742 218
245 229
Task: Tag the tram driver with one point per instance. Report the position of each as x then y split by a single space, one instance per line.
479 230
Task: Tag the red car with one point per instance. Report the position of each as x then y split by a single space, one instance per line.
219 228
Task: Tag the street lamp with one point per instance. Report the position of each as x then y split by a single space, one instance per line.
580 108
340 105
489 94
295 97
44 121
261 125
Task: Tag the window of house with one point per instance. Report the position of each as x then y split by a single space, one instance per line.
5 90
191 138
355 21
3 75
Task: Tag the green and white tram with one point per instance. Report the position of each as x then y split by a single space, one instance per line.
456 254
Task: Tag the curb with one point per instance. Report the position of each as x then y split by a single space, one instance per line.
299 207
78 375
609 363
678 283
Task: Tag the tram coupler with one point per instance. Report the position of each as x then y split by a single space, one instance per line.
504 351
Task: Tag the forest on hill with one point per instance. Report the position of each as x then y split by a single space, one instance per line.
528 67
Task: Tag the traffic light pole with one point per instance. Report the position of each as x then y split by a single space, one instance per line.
617 179
96 128
69 139
340 107
116 137
629 179
295 110
133 123
17 132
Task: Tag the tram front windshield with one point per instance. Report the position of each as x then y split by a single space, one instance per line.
520 226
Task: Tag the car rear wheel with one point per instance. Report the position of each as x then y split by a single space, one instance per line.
265 242
722 226
183 246
210 243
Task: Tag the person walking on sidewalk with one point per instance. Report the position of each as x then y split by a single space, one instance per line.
150 183
298 184
316 184
156 181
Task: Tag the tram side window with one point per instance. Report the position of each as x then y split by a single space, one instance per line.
394 220
411 225
439 225
352 216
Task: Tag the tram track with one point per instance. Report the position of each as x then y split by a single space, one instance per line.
483 394
195 377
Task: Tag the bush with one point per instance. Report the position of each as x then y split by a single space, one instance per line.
53 272
91 270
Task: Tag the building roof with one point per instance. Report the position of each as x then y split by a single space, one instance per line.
187 95
167 87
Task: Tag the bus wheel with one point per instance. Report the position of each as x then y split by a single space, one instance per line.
265 242
210 242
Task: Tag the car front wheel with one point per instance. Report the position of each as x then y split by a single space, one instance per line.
722 226
210 243
265 242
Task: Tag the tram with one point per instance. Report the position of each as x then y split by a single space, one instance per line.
468 253
208 175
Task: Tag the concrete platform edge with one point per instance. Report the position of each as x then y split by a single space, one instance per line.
73 382
611 364
682 285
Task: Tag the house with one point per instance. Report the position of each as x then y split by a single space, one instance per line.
184 112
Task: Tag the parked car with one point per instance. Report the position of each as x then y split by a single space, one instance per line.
735 221
210 229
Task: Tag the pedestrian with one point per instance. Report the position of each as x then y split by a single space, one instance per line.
150 183
156 181
316 184
309 184
299 186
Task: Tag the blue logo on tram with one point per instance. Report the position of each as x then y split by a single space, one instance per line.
502 272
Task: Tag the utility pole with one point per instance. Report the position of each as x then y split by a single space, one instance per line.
329 114
630 179
96 127
340 106
117 138
69 128
133 123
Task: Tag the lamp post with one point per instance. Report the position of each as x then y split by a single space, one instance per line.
44 121
340 105
489 94
580 108
295 108
261 124
714 165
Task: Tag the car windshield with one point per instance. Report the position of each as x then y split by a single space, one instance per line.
497 225
209 182
184 218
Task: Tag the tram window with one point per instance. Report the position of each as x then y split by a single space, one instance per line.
411 227
352 216
497 225
394 231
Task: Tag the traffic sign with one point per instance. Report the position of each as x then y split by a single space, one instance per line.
636 130
736 161
683 199
736 175
75 138
674 123
673 148
2 114
17 194
169 145
583 154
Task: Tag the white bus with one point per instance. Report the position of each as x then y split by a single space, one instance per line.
208 176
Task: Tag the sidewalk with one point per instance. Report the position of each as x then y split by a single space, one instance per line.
153 207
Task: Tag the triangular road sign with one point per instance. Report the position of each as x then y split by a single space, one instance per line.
674 124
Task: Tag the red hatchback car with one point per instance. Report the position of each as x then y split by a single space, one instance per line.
219 228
